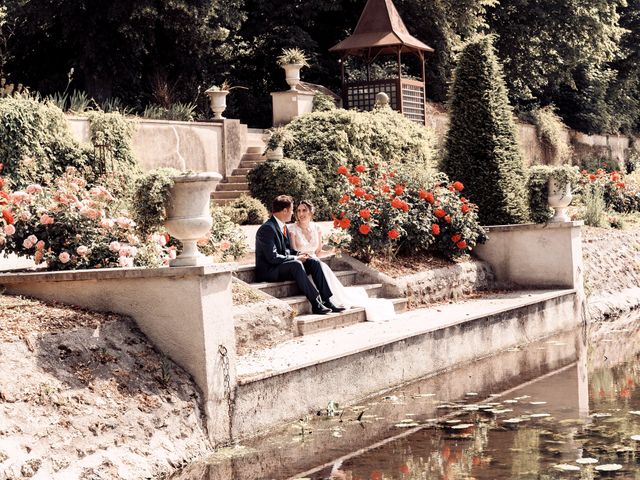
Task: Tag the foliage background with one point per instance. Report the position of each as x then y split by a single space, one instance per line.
580 55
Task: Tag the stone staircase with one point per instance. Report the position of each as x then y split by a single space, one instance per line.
236 184
305 322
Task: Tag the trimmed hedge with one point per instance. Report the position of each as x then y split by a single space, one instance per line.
280 177
481 147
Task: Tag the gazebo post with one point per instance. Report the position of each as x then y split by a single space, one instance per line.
399 86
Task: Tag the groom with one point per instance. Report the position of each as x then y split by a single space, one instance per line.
276 261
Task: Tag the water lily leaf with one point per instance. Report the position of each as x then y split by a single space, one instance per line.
586 460
600 415
472 394
407 425
498 411
522 397
635 437
537 403
510 401
471 408
608 467
634 412
566 467
462 426
539 415
451 422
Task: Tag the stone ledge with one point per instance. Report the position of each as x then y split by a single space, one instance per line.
533 226
115 273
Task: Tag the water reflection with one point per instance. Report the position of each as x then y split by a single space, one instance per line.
526 414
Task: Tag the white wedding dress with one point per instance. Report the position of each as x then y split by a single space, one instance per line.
377 309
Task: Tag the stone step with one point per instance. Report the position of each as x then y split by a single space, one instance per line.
301 305
235 179
290 289
253 157
308 324
255 149
226 186
231 194
246 273
249 164
241 171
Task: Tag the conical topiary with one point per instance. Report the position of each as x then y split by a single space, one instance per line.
481 147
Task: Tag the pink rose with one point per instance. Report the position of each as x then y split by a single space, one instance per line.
125 262
38 257
82 250
19 197
46 219
27 244
24 216
33 239
225 245
40 245
107 223
64 257
133 251
172 253
9 229
124 251
114 246
34 188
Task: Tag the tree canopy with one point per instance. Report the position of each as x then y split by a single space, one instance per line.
580 55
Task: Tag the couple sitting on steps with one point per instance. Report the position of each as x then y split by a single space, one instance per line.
289 252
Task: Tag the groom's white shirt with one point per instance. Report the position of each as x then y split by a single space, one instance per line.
280 223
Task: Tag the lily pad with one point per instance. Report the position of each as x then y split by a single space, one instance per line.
600 415
510 401
566 467
537 403
462 426
608 467
586 461
539 415
635 437
407 425
451 422
634 412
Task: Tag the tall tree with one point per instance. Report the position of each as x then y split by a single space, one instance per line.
481 147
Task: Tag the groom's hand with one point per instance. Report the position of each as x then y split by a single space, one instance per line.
302 257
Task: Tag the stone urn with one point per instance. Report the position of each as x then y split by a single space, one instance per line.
292 74
188 215
559 199
218 102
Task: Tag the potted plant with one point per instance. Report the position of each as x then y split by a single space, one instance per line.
218 98
279 137
180 201
292 60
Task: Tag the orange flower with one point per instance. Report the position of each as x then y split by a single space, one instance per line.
376 475
447 219
8 216
365 213
336 222
405 207
592 177
345 223
428 196
439 213
354 180
456 238
342 170
396 203
393 234
461 244
344 199
1 182
368 196
364 229
399 189
458 186
386 189
435 229
392 174
464 208
360 168
358 192
620 184
615 176
464 200
404 468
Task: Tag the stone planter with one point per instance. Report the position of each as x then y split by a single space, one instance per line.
275 154
218 101
559 199
292 74
188 215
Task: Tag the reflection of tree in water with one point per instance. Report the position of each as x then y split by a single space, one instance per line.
526 453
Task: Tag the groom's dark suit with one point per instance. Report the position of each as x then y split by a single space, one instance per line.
276 262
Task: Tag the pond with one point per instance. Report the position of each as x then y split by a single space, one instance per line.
565 407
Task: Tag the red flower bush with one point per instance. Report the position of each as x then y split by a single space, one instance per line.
406 217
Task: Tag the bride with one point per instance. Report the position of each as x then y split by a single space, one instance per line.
306 237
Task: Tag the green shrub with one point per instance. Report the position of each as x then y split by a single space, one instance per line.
79 102
594 205
323 103
326 140
481 147
36 144
277 177
551 133
246 210
593 163
538 186
184 112
150 199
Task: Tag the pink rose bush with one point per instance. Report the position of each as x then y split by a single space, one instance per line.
70 226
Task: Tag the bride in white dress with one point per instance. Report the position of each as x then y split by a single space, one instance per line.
306 237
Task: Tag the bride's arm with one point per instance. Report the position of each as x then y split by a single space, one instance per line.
319 234
292 239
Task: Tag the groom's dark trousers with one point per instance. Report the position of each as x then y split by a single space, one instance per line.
276 262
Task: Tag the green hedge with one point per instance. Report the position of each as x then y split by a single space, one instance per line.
280 177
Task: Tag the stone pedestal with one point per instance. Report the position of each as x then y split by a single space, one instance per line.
185 312
289 105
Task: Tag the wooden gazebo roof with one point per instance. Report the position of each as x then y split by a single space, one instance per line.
380 30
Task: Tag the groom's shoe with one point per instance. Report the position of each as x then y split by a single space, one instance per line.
334 308
318 307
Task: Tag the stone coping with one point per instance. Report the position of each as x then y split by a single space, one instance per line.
533 226
365 336
115 273
141 120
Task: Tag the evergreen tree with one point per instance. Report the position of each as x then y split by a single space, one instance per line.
481 147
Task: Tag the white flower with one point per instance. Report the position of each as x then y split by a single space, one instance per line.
64 257
114 246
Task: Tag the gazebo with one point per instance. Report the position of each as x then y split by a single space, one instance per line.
379 32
